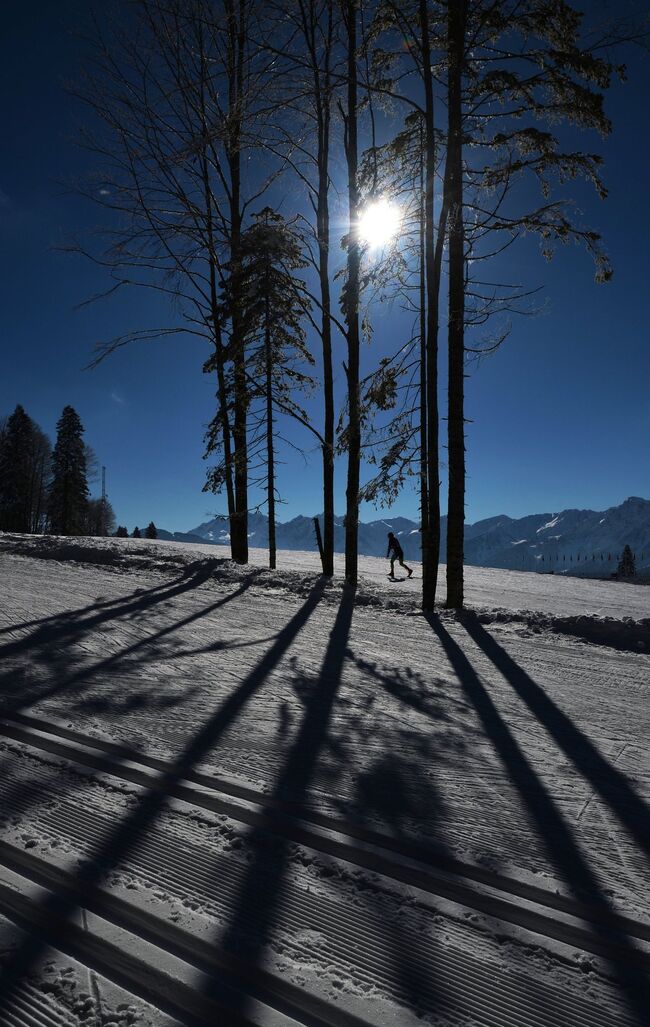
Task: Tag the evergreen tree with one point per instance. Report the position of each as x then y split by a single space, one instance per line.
68 499
626 566
25 454
273 303
100 518
136 532
14 472
151 531
121 532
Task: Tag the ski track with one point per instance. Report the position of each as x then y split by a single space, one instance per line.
462 736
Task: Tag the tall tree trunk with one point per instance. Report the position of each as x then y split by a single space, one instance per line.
328 427
317 24
430 534
220 362
323 229
424 492
222 392
352 302
270 456
456 333
237 34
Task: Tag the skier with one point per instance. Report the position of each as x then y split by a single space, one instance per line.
397 554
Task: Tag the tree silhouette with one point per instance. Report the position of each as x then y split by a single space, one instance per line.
626 566
100 518
273 304
25 456
68 498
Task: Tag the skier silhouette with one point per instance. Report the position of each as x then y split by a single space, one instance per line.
397 554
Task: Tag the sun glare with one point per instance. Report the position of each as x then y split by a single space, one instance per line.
379 223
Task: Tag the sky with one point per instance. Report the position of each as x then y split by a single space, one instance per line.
559 415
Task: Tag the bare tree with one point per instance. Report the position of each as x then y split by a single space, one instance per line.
178 95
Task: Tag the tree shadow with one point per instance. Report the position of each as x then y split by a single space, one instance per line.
610 784
62 904
222 647
100 603
389 791
260 894
56 646
59 627
549 824
66 676
394 799
52 644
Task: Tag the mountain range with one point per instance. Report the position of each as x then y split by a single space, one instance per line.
584 542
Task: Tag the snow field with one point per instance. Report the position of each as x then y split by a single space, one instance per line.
497 742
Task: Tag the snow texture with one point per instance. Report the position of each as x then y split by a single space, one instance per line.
503 741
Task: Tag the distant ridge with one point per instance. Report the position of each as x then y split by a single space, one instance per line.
584 542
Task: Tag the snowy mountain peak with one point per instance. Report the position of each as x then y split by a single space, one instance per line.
573 541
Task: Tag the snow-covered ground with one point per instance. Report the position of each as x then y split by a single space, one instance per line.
248 791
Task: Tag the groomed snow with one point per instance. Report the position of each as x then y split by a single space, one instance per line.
485 587
503 740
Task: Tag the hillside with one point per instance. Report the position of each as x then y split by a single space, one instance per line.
577 542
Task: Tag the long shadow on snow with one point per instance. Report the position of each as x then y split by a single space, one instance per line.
90 875
74 624
612 786
100 603
389 790
21 795
394 796
57 646
450 749
62 661
547 820
260 894
446 748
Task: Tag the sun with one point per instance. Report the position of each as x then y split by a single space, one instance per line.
379 223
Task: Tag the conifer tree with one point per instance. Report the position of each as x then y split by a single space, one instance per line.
273 303
16 443
25 457
121 532
626 566
100 518
136 533
68 498
151 531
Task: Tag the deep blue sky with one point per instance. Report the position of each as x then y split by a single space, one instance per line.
560 413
